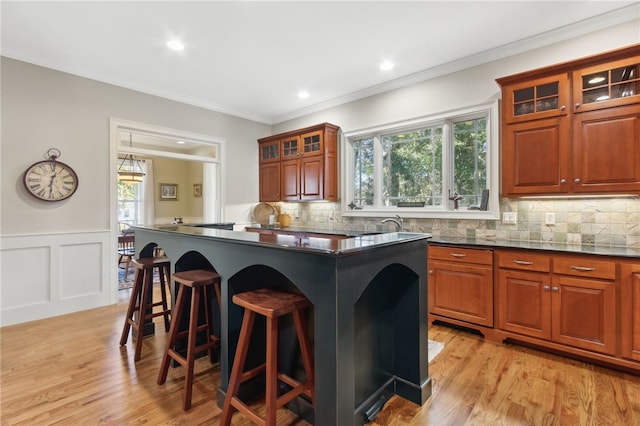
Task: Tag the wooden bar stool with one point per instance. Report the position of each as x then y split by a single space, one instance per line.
201 282
141 303
272 304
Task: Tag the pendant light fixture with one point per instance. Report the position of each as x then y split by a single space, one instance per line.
130 169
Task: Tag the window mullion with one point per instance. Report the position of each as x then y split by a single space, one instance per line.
378 174
447 164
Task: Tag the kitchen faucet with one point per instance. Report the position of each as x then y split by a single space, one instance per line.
397 220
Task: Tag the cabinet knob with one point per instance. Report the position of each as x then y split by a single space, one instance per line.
545 288
578 105
430 271
563 107
555 288
563 181
577 180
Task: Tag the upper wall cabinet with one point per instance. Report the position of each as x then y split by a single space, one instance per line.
573 128
300 165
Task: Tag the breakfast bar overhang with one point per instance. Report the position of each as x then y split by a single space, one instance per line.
369 316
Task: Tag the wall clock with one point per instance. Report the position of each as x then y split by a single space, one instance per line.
51 180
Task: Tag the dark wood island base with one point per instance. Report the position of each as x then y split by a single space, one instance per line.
368 319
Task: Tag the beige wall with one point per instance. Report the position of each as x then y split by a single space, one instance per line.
44 108
606 221
184 174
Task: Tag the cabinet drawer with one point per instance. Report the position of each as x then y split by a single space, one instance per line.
466 255
524 261
584 267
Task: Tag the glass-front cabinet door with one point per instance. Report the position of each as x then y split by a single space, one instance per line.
603 86
290 147
534 99
269 151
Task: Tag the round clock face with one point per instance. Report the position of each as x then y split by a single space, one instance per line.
51 180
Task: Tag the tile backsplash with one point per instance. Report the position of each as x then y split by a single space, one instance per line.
609 222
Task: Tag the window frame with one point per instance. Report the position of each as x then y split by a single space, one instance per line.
445 211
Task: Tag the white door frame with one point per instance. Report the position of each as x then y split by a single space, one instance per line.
116 146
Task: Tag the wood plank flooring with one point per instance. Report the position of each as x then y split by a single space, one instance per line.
70 370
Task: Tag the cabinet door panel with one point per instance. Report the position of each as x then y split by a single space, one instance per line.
311 178
534 155
535 99
290 179
461 291
269 182
630 311
524 303
584 313
607 150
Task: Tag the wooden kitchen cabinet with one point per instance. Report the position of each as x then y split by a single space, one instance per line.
556 140
524 299
308 165
611 84
460 285
536 98
536 157
630 310
606 153
563 299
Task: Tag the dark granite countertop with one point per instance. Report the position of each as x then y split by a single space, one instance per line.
558 247
345 232
316 245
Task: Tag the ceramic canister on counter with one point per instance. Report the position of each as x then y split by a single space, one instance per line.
285 220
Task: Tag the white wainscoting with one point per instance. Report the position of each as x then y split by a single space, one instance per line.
47 275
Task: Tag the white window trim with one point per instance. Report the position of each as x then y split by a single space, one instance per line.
444 211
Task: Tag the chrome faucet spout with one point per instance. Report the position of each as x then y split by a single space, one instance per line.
397 220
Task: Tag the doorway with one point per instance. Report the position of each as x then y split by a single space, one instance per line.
163 146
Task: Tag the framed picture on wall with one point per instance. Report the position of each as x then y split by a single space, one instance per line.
197 190
168 191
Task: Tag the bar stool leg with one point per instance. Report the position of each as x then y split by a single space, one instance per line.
173 335
133 301
238 366
191 346
306 351
271 391
142 312
164 272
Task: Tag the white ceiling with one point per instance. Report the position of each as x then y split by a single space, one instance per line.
251 58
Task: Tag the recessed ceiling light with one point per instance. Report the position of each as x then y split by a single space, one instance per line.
175 45
386 65
303 94
180 142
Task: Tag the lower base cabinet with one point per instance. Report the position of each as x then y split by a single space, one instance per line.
630 310
460 284
565 299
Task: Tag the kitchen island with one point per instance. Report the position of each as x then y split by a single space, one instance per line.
369 316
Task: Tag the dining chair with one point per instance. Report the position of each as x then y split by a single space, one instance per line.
126 251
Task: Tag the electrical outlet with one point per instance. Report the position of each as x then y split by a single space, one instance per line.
509 218
550 219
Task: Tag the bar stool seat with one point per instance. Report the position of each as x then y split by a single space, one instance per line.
201 282
271 304
141 303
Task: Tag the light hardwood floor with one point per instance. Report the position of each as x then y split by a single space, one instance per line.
70 370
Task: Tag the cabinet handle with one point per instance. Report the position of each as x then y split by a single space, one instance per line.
555 288
458 255
578 105
563 181
577 180
583 268
545 288
522 262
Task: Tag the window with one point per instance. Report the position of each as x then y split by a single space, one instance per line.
434 167
130 203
